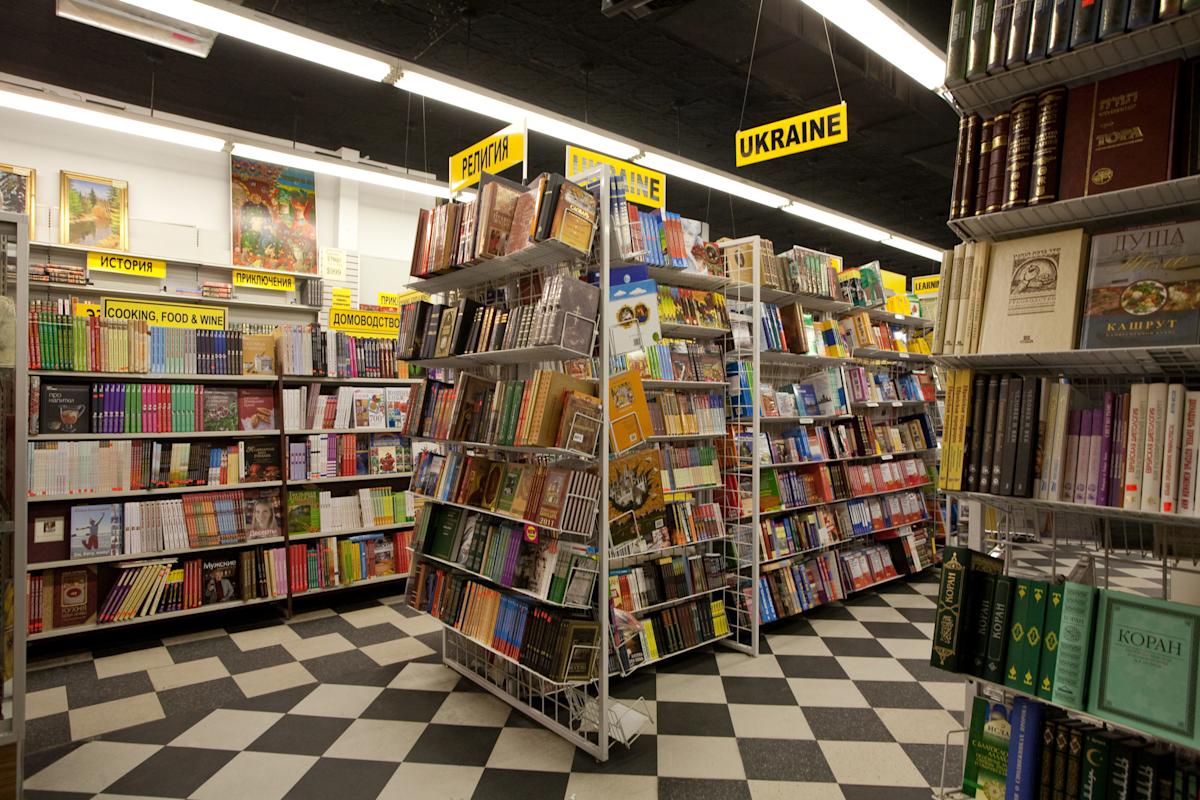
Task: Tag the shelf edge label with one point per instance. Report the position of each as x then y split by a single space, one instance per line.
127 265
370 324
252 279
169 315
785 137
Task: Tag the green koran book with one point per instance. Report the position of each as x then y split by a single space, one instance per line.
1050 641
1146 666
1025 636
1074 645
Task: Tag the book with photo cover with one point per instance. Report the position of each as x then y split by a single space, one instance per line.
256 409
219 580
635 498
262 518
96 530
303 511
1143 287
385 455
398 400
369 408
262 460
220 409
64 408
258 354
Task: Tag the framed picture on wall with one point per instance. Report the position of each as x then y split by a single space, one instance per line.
274 216
18 190
93 211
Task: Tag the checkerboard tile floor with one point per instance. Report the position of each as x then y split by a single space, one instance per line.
352 702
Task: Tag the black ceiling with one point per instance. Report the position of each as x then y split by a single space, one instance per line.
674 79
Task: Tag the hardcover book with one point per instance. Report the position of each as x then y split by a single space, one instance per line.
1143 288
65 408
1146 659
986 769
96 530
635 499
262 517
1033 293
256 409
262 460
74 596
258 354
220 580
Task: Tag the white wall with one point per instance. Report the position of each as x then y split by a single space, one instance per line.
179 198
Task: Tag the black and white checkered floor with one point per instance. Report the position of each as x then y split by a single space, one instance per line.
352 702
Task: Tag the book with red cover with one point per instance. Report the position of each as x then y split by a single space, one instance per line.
1120 132
256 409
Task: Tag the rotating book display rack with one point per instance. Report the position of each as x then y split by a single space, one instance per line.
1072 424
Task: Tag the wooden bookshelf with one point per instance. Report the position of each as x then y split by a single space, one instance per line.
37 566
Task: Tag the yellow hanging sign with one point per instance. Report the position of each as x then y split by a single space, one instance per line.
371 324
253 279
127 265
793 135
169 315
930 284
340 297
497 152
389 299
642 186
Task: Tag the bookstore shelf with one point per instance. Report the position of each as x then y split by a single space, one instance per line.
497 514
549 452
168 490
675 653
774 358
1108 512
686 279
1111 363
538 255
391 526
318 431
768 294
447 629
1178 37
163 377
675 601
84 437
480 576
889 403
522 355
657 384
853 538
682 437
379 476
875 354
1095 212
150 555
182 262
679 330
205 609
843 459
669 495
91 288
376 579
355 381
659 552
907 320
806 420
786 509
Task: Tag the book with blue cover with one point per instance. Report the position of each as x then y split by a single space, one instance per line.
96 530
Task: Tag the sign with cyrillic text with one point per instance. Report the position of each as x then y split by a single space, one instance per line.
371 324
127 265
494 154
264 280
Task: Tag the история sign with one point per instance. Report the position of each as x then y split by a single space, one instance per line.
127 265
809 131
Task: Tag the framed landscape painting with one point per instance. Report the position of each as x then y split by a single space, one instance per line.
93 211
18 189
274 216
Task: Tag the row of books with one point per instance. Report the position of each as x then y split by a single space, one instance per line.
853 437
505 218
788 329
860 330
820 393
553 497
685 523
986 39
554 644
827 483
806 271
111 467
669 630
692 307
558 572
326 455
1027 749
1048 639
305 407
312 350
665 579
550 409
331 562
148 408
564 314
686 467
52 273
674 360
686 413
882 386
310 511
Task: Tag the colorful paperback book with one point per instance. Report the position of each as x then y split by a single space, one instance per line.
220 409
986 769
96 530
633 317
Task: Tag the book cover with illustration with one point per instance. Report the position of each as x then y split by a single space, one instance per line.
96 530
986 769
630 413
398 399
635 496
633 317
258 354
64 408
386 454
369 408
303 511
262 514
220 409
1143 288
262 460
256 409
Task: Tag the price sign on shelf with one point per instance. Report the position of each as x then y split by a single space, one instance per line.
333 263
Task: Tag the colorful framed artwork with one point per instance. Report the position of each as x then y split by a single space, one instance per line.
274 216
18 191
93 211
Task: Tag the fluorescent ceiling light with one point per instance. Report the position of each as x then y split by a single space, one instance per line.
340 170
715 180
916 248
455 95
70 112
881 32
837 221
268 35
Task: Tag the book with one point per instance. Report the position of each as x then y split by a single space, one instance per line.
1024 748
65 408
1039 29
959 40
1025 635
258 354
220 409
1047 145
1135 444
636 507
1114 17
1058 39
985 770
630 415
1141 287
998 39
997 644
1023 126
1033 293
220 580
977 44
256 409
96 530
1051 638
1018 33
1152 450
1146 655
962 571
1085 24
1135 109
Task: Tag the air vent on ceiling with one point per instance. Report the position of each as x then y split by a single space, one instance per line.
117 17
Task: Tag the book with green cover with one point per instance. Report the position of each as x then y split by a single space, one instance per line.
997 646
986 767
1050 641
1146 659
303 511
1025 636
962 573
981 623
444 529
1093 784
1074 646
